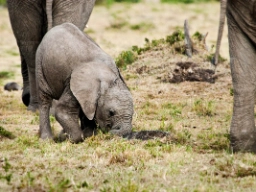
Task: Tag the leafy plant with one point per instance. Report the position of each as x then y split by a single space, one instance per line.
125 58
176 36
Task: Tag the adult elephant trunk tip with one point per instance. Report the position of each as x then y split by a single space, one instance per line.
49 13
223 8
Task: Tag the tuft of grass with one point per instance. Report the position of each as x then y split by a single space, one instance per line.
142 26
12 52
6 175
210 140
126 58
197 35
173 110
5 133
118 24
2 2
210 57
176 36
231 91
203 108
6 74
183 137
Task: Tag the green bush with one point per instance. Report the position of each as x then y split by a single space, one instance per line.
2 2
125 58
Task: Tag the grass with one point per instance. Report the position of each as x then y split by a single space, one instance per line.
6 74
5 133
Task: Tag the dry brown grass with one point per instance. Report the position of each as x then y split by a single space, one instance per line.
197 113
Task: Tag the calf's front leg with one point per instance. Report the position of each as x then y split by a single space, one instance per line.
67 114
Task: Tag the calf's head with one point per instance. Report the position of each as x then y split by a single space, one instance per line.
103 95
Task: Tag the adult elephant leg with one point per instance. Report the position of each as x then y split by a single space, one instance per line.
67 114
24 71
243 69
74 11
27 19
28 49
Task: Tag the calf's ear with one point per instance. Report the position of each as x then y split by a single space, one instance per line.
85 87
88 82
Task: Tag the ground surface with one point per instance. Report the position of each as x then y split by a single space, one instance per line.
198 114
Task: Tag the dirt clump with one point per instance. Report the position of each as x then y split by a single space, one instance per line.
189 71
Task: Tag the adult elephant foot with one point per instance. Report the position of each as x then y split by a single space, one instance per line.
246 145
32 105
33 108
25 96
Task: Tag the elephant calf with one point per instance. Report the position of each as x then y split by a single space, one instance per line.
73 69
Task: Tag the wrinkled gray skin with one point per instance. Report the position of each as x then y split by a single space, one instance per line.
29 23
223 7
241 18
74 70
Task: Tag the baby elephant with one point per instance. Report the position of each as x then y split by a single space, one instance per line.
74 70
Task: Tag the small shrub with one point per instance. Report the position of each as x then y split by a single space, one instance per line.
199 36
176 36
126 58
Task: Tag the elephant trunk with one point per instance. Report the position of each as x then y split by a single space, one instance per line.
223 8
122 129
49 13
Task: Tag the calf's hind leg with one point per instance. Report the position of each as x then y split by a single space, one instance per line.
67 114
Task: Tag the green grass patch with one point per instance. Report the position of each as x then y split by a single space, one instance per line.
209 139
210 57
2 2
143 26
126 58
12 52
204 108
6 74
5 133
